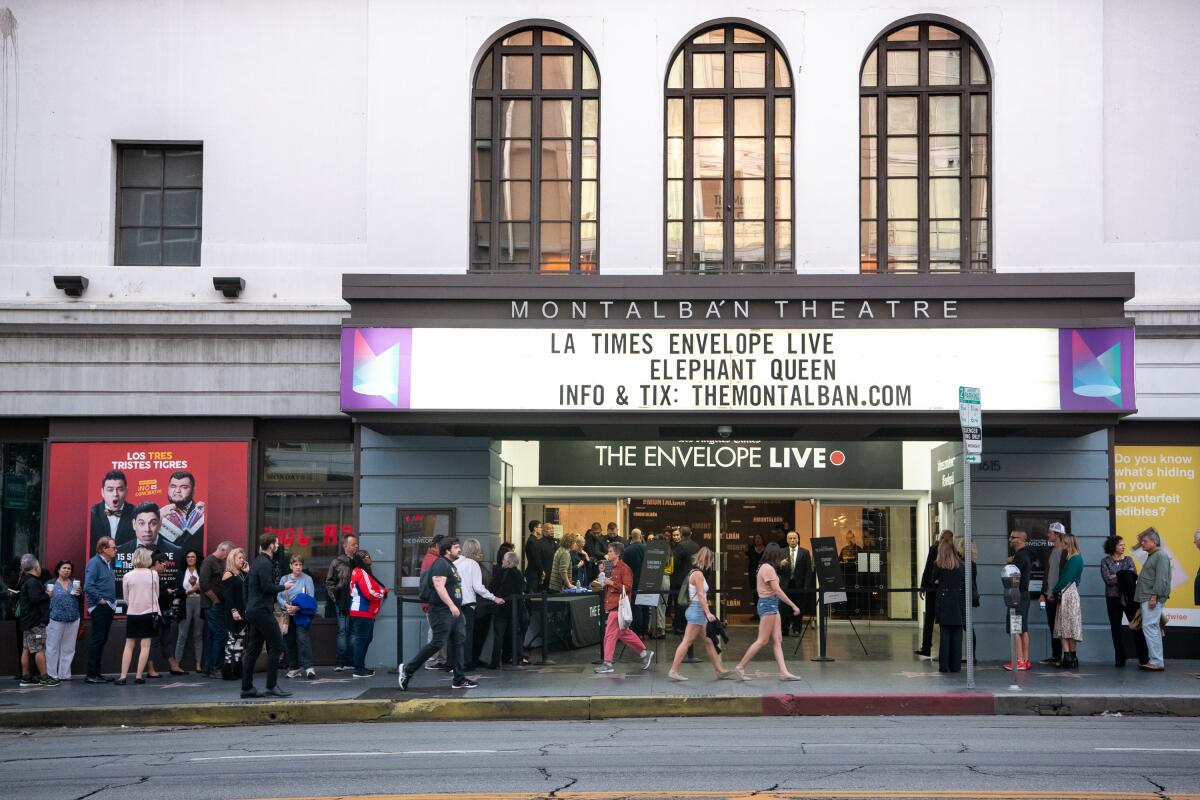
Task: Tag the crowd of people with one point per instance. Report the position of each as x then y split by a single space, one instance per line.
232 607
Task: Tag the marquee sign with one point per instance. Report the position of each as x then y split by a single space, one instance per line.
759 369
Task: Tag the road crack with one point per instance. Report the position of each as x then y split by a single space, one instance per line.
544 749
141 779
1160 789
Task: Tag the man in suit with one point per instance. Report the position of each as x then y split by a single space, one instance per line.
635 557
147 522
796 576
183 516
685 549
112 516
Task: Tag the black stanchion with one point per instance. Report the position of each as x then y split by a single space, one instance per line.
822 624
515 633
545 628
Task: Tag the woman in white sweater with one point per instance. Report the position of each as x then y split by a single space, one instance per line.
471 573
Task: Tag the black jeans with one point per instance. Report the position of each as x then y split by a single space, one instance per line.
446 629
950 648
261 628
1055 643
468 617
502 633
788 619
102 617
1115 609
927 624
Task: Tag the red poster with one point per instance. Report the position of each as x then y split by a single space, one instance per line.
169 497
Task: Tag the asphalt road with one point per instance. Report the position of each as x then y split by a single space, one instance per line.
790 757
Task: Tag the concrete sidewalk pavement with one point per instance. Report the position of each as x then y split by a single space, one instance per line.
574 691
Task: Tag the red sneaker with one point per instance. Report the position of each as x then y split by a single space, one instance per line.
1008 665
1025 666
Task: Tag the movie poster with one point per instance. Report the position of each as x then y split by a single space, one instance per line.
168 497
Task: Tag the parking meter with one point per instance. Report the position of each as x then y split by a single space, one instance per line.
1010 576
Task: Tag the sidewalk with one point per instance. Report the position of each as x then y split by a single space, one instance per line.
570 690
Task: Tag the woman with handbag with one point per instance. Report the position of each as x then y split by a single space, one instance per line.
1111 566
166 626
233 594
1068 624
618 594
140 588
296 639
696 616
769 594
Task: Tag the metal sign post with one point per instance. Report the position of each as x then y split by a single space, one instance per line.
970 418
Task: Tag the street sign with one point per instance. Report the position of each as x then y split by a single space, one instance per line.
970 419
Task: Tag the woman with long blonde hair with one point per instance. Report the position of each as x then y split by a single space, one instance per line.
698 616
950 578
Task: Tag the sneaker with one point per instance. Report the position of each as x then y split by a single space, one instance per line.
647 657
363 673
604 668
28 681
312 673
465 683
48 681
1024 666
675 676
437 665
1052 661
1008 665
404 679
293 673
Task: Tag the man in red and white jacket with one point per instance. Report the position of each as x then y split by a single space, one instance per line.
366 596
620 577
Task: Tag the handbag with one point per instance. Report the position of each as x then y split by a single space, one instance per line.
283 620
1135 624
624 611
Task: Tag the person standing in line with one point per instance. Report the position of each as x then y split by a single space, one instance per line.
169 602
634 556
770 593
698 615
233 594
212 605
443 591
1111 566
1020 559
100 589
950 577
261 626
1153 589
549 545
508 585
297 642
1054 564
366 596
534 568
928 593
1068 624
34 602
337 587
471 573
189 621
140 588
620 580
65 610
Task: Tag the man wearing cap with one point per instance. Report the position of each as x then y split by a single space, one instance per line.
1054 563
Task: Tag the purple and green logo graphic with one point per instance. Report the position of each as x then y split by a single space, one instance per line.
376 368
1095 369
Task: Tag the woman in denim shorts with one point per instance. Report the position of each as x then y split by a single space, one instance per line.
698 616
769 595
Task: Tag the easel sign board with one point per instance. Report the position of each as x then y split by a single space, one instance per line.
650 586
828 569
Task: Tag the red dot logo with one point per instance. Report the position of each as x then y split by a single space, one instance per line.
837 458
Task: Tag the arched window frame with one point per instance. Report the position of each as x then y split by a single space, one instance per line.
881 234
493 240
679 207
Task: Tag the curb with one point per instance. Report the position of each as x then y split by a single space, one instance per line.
600 707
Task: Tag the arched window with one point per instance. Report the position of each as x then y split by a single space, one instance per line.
729 131
535 122
925 154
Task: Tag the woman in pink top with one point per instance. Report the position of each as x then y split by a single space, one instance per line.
140 587
769 595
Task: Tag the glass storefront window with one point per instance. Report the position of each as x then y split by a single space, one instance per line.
876 549
20 508
310 524
308 461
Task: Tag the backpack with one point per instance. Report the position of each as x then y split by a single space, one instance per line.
425 587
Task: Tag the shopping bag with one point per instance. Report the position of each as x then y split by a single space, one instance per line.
624 611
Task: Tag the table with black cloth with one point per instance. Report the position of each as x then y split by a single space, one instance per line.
572 620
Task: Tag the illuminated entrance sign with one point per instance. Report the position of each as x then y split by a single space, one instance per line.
720 463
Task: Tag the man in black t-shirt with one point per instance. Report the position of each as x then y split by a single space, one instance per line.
441 587
1021 560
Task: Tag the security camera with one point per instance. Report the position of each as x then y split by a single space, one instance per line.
724 431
